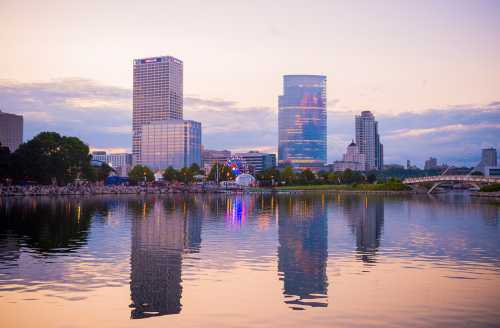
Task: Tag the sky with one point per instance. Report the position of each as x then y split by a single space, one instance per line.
428 70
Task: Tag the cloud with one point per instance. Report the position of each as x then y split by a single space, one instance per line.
98 114
447 128
101 116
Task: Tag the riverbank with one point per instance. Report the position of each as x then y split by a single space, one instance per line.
490 195
393 189
87 190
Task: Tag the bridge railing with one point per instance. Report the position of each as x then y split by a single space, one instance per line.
452 178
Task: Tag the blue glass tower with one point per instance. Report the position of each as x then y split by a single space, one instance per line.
302 122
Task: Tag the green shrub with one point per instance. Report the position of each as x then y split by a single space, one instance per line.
491 188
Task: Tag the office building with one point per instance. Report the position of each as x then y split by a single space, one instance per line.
11 130
175 143
431 164
492 171
255 161
353 160
120 162
210 157
157 95
368 141
488 159
302 122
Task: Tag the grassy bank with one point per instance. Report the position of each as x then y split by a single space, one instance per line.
353 187
491 188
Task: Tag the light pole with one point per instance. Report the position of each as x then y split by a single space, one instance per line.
217 173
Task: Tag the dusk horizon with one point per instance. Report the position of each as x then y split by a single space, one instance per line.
425 87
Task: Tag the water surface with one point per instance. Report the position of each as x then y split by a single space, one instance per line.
291 260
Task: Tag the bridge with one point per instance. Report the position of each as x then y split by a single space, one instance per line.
473 180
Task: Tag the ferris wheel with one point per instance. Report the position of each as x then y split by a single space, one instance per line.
236 165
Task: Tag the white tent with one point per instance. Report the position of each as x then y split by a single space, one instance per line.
245 180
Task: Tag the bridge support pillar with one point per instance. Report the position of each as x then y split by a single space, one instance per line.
434 187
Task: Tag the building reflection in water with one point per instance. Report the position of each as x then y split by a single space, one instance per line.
302 252
162 232
366 220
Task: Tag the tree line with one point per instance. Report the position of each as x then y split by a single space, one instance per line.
142 173
50 158
287 176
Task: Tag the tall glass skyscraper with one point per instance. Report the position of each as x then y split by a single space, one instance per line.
175 143
302 122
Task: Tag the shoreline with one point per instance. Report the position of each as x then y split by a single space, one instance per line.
495 195
342 191
51 191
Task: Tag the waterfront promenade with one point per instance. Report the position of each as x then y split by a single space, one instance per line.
93 189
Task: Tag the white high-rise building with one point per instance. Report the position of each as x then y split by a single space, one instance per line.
161 137
488 160
157 95
368 141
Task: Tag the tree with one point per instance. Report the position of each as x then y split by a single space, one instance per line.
186 175
75 157
225 173
307 176
4 162
350 177
49 158
195 169
140 173
335 178
323 176
371 178
101 172
170 174
288 175
268 176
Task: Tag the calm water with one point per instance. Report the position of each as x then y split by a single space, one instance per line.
303 260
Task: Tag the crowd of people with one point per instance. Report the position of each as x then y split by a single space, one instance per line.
97 189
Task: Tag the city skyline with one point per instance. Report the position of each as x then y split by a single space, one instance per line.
439 93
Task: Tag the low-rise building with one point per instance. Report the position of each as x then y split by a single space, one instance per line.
492 171
255 161
120 162
340 166
210 157
353 160
11 130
